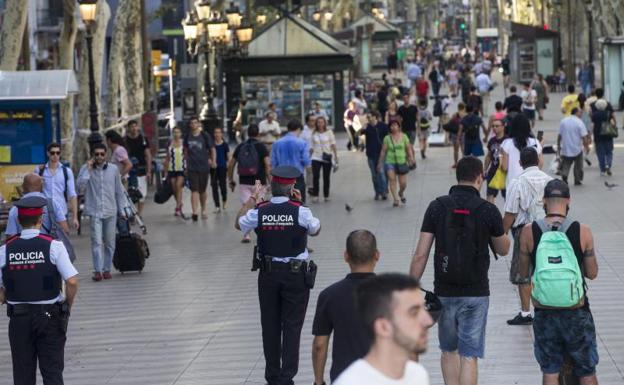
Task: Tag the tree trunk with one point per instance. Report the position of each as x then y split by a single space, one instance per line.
81 146
131 84
12 33
115 64
67 41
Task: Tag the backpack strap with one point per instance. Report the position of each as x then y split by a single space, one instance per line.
41 169
543 226
66 177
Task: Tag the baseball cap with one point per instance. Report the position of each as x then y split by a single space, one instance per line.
556 188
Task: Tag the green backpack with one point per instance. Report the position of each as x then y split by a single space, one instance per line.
557 279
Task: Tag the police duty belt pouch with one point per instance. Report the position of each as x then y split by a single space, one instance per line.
557 280
309 276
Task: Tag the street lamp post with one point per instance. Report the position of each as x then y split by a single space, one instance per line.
88 10
208 32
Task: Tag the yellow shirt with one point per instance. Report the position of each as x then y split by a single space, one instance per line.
568 103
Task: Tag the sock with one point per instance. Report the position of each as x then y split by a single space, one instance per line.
525 313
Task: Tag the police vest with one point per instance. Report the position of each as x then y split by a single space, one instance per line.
279 232
29 275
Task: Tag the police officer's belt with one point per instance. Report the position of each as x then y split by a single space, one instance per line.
28 308
293 265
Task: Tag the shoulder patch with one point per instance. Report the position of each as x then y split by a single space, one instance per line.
295 203
262 204
12 238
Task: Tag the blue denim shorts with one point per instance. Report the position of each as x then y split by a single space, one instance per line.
561 332
461 325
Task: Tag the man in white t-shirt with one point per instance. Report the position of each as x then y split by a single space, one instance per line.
392 309
529 98
269 130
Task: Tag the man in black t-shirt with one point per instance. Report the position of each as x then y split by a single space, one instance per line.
461 266
513 102
141 158
335 310
409 114
247 182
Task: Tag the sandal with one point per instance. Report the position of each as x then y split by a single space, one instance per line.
395 204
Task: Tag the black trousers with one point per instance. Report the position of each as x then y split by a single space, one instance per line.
316 176
355 137
283 302
37 336
301 186
218 181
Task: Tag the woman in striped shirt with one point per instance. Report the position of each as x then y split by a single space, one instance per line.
175 166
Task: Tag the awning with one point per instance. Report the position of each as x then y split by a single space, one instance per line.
37 85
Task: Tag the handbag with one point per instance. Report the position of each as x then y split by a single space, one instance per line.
401 169
609 129
165 191
498 180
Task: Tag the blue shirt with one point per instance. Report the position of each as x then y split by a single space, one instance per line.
13 227
249 222
54 186
222 151
58 257
290 151
104 193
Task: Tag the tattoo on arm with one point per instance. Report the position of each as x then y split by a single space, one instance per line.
589 253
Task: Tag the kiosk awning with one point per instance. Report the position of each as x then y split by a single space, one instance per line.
37 85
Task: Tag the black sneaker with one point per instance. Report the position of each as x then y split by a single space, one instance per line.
520 320
609 171
195 217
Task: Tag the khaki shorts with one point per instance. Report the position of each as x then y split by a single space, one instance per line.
514 275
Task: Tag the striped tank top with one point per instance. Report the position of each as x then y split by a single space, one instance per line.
176 155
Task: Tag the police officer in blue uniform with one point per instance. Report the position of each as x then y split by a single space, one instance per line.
286 276
32 269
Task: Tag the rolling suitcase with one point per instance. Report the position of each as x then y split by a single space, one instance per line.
131 249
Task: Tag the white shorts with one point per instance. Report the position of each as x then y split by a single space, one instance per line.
142 184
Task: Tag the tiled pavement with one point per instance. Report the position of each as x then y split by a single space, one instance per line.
192 316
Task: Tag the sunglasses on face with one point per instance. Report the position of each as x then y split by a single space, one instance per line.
101 154
54 152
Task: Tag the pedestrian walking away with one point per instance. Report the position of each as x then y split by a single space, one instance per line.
392 308
524 204
104 200
200 157
118 154
541 89
513 102
141 158
484 86
293 151
252 162
519 137
58 185
336 313
33 268
409 115
463 226
375 132
397 157
218 174
324 158
603 115
286 272
529 100
175 166
423 128
469 128
572 144
563 325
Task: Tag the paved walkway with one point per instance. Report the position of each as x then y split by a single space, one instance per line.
192 316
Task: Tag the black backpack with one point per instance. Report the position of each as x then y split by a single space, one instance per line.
461 238
65 175
472 131
248 159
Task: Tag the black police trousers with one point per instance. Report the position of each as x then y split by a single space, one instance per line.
283 302
38 336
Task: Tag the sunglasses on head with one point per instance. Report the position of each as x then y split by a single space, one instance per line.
54 152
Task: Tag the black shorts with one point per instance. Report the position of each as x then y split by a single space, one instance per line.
175 174
198 180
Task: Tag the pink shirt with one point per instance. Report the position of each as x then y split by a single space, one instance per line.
119 155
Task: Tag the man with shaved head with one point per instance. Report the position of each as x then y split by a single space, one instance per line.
33 186
335 310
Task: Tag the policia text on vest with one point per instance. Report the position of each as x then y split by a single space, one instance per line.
32 269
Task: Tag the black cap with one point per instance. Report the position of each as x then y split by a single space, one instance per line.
285 174
31 206
556 188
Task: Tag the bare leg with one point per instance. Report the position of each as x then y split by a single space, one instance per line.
195 202
402 184
525 297
455 153
589 380
392 183
550 379
450 368
468 371
203 196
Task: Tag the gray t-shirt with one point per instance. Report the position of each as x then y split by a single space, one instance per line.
198 150
572 131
